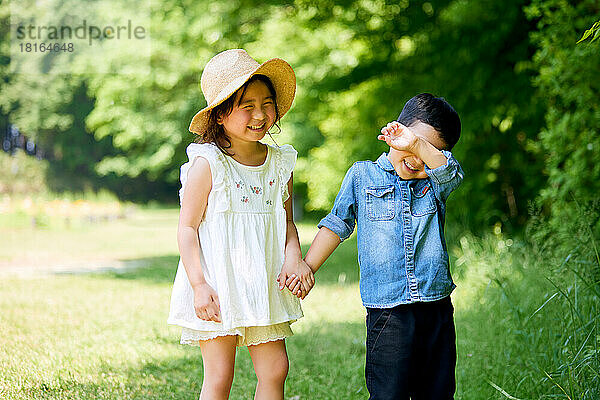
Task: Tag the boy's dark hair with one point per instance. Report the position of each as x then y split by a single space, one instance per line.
214 132
433 111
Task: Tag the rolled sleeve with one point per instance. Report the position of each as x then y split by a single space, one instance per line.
447 177
342 218
337 226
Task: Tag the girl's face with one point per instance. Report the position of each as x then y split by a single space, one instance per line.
252 115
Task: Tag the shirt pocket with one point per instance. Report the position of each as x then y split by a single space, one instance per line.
380 202
422 200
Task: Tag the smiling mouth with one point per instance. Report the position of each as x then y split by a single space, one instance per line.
257 127
410 166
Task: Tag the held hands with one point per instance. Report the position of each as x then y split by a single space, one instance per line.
297 277
206 303
399 137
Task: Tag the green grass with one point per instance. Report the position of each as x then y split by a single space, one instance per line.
104 335
142 233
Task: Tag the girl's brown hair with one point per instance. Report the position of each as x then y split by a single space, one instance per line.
215 133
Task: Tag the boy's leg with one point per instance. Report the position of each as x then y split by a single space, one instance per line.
390 338
435 361
271 365
218 358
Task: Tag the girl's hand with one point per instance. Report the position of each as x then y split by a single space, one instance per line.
206 303
297 277
399 137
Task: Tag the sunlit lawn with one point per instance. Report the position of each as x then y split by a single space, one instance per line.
85 337
105 336
84 240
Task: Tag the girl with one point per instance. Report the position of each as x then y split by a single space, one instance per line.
238 243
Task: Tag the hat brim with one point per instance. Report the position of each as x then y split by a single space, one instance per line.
277 70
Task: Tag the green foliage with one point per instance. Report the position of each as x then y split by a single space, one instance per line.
385 54
22 174
510 74
147 116
51 108
567 77
593 32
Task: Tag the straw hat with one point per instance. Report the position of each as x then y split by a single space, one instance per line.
229 70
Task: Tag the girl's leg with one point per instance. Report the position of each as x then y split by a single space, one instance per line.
218 357
271 365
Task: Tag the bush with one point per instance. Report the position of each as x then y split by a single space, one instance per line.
21 174
568 78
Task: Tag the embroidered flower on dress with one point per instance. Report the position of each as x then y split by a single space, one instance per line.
245 199
271 182
256 189
269 202
239 184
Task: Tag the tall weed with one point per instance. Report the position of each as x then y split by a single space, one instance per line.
541 297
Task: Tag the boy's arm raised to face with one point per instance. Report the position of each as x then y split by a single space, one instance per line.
445 172
324 243
403 138
431 156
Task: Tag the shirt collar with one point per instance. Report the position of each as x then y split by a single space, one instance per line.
385 163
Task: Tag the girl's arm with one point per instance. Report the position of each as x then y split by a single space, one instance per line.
293 265
193 206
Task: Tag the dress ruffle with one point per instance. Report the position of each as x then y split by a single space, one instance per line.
286 157
220 180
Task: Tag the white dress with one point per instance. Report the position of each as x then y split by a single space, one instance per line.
242 241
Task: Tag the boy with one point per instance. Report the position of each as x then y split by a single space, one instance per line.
398 203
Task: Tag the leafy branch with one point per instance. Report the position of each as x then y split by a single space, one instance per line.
594 30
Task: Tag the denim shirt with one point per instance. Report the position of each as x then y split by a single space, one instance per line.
401 247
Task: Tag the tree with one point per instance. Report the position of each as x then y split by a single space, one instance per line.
358 62
567 78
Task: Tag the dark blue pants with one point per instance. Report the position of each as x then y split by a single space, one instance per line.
411 352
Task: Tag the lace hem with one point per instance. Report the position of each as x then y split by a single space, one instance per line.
190 342
195 341
265 340
245 336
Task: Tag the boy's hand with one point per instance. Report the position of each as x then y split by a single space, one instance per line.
399 137
297 277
